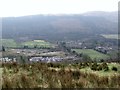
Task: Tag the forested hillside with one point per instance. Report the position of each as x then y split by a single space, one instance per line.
62 26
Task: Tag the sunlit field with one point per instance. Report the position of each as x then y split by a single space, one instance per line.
92 53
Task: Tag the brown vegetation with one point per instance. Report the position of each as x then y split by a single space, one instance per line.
49 75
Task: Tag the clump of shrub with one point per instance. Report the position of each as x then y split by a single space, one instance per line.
94 66
54 65
101 60
80 65
114 68
83 65
98 67
105 66
50 64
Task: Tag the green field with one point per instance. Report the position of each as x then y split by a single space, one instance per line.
8 43
92 53
111 36
37 43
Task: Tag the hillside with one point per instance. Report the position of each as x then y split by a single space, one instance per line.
55 75
62 26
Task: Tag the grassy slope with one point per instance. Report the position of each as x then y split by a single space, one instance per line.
38 43
92 53
12 44
8 43
41 75
111 36
102 72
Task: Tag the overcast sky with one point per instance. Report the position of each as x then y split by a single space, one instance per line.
32 7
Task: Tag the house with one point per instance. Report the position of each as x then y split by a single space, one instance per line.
103 49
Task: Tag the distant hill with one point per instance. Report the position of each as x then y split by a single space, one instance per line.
60 27
111 16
